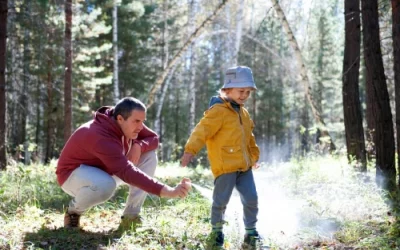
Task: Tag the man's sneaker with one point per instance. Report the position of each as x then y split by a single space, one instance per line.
130 222
216 239
252 240
71 220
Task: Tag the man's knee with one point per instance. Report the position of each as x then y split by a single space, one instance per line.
150 156
148 162
104 190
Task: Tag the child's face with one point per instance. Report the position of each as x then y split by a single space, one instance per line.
239 95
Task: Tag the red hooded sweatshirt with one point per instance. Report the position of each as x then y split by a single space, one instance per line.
101 143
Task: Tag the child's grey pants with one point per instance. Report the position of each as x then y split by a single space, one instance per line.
90 186
223 187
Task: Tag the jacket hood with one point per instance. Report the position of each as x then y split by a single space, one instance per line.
104 116
218 100
214 100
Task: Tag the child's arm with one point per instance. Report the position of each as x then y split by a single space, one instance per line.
205 129
254 150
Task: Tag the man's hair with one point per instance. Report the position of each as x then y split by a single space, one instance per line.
126 105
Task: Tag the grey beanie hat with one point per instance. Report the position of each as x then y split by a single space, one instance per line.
239 77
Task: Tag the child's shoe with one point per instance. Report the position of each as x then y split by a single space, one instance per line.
252 240
216 240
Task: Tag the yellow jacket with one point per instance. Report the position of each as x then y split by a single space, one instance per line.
231 145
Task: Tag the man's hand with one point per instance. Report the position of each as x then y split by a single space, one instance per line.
186 158
135 153
180 191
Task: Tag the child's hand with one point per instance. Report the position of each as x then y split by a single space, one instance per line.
186 158
256 165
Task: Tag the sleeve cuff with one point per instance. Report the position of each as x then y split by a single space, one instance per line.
138 142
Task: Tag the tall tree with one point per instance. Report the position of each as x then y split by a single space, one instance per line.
238 32
192 55
24 97
115 48
351 100
304 77
68 71
378 106
396 69
12 70
3 42
164 62
51 107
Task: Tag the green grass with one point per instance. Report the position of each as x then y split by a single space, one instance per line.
32 207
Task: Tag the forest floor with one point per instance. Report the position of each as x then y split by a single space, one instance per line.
310 203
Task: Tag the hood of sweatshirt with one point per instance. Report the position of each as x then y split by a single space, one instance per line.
104 116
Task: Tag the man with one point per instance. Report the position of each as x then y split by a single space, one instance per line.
112 149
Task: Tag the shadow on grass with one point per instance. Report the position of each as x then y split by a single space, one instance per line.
62 238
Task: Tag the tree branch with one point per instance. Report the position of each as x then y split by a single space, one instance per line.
182 50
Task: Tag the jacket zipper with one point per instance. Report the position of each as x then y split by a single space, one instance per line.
246 157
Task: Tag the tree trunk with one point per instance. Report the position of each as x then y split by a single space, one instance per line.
13 89
378 98
164 62
304 132
253 63
40 107
68 71
369 140
24 110
38 127
355 142
193 9
3 42
238 33
177 118
182 50
320 66
115 48
157 122
228 41
304 77
396 69
192 90
50 114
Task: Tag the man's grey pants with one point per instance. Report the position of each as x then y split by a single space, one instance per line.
223 187
90 186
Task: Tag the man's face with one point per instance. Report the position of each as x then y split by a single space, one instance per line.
133 125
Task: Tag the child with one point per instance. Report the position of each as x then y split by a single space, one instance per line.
226 129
